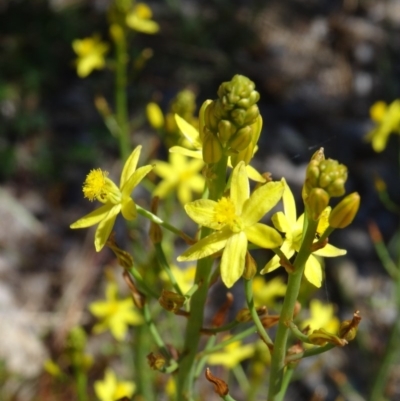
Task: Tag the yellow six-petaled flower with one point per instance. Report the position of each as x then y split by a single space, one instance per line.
90 52
235 220
98 186
288 223
110 389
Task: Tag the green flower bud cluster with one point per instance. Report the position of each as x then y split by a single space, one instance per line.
325 178
232 123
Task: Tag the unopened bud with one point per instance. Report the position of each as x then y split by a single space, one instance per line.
212 148
225 130
242 139
244 314
154 115
250 267
344 212
316 203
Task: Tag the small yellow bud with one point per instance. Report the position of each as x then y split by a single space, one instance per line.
212 148
225 130
242 139
250 267
316 203
344 212
154 115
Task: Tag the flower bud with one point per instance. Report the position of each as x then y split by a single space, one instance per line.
250 267
244 314
242 139
212 148
225 130
154 115
316 203
344 212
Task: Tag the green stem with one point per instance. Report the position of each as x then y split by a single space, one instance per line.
121 100
155 219
81 384
309 352
292 292
287 377
141 349
198 300
248 286
391 353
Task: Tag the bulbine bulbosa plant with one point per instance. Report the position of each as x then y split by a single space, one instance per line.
231 212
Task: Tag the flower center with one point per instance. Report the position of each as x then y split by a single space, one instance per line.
225 214
94 186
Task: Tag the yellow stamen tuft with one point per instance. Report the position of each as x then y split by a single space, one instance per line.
224 212
94 185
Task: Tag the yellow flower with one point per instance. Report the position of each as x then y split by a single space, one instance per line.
232 354
322 316
195 147
179 175
140 20
387 118
115 314
98 186
288 223
90 52
110 389
235 220
265 292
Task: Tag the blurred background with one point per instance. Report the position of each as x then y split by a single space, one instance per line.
319 66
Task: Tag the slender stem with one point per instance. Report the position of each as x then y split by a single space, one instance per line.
198 300
155 219
292 292
241 377
309 352
287 377
81 383
391 352
143 379
121 100
248 286
162 260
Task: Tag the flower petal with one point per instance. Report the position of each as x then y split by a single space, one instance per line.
105 227
128 209
202 212
289 204
93 217
262 200
281 222
254 175
313 271
330 251
240 190
190 133
264 236
206 246
274 263
233 258
196 154
130 165
134 180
